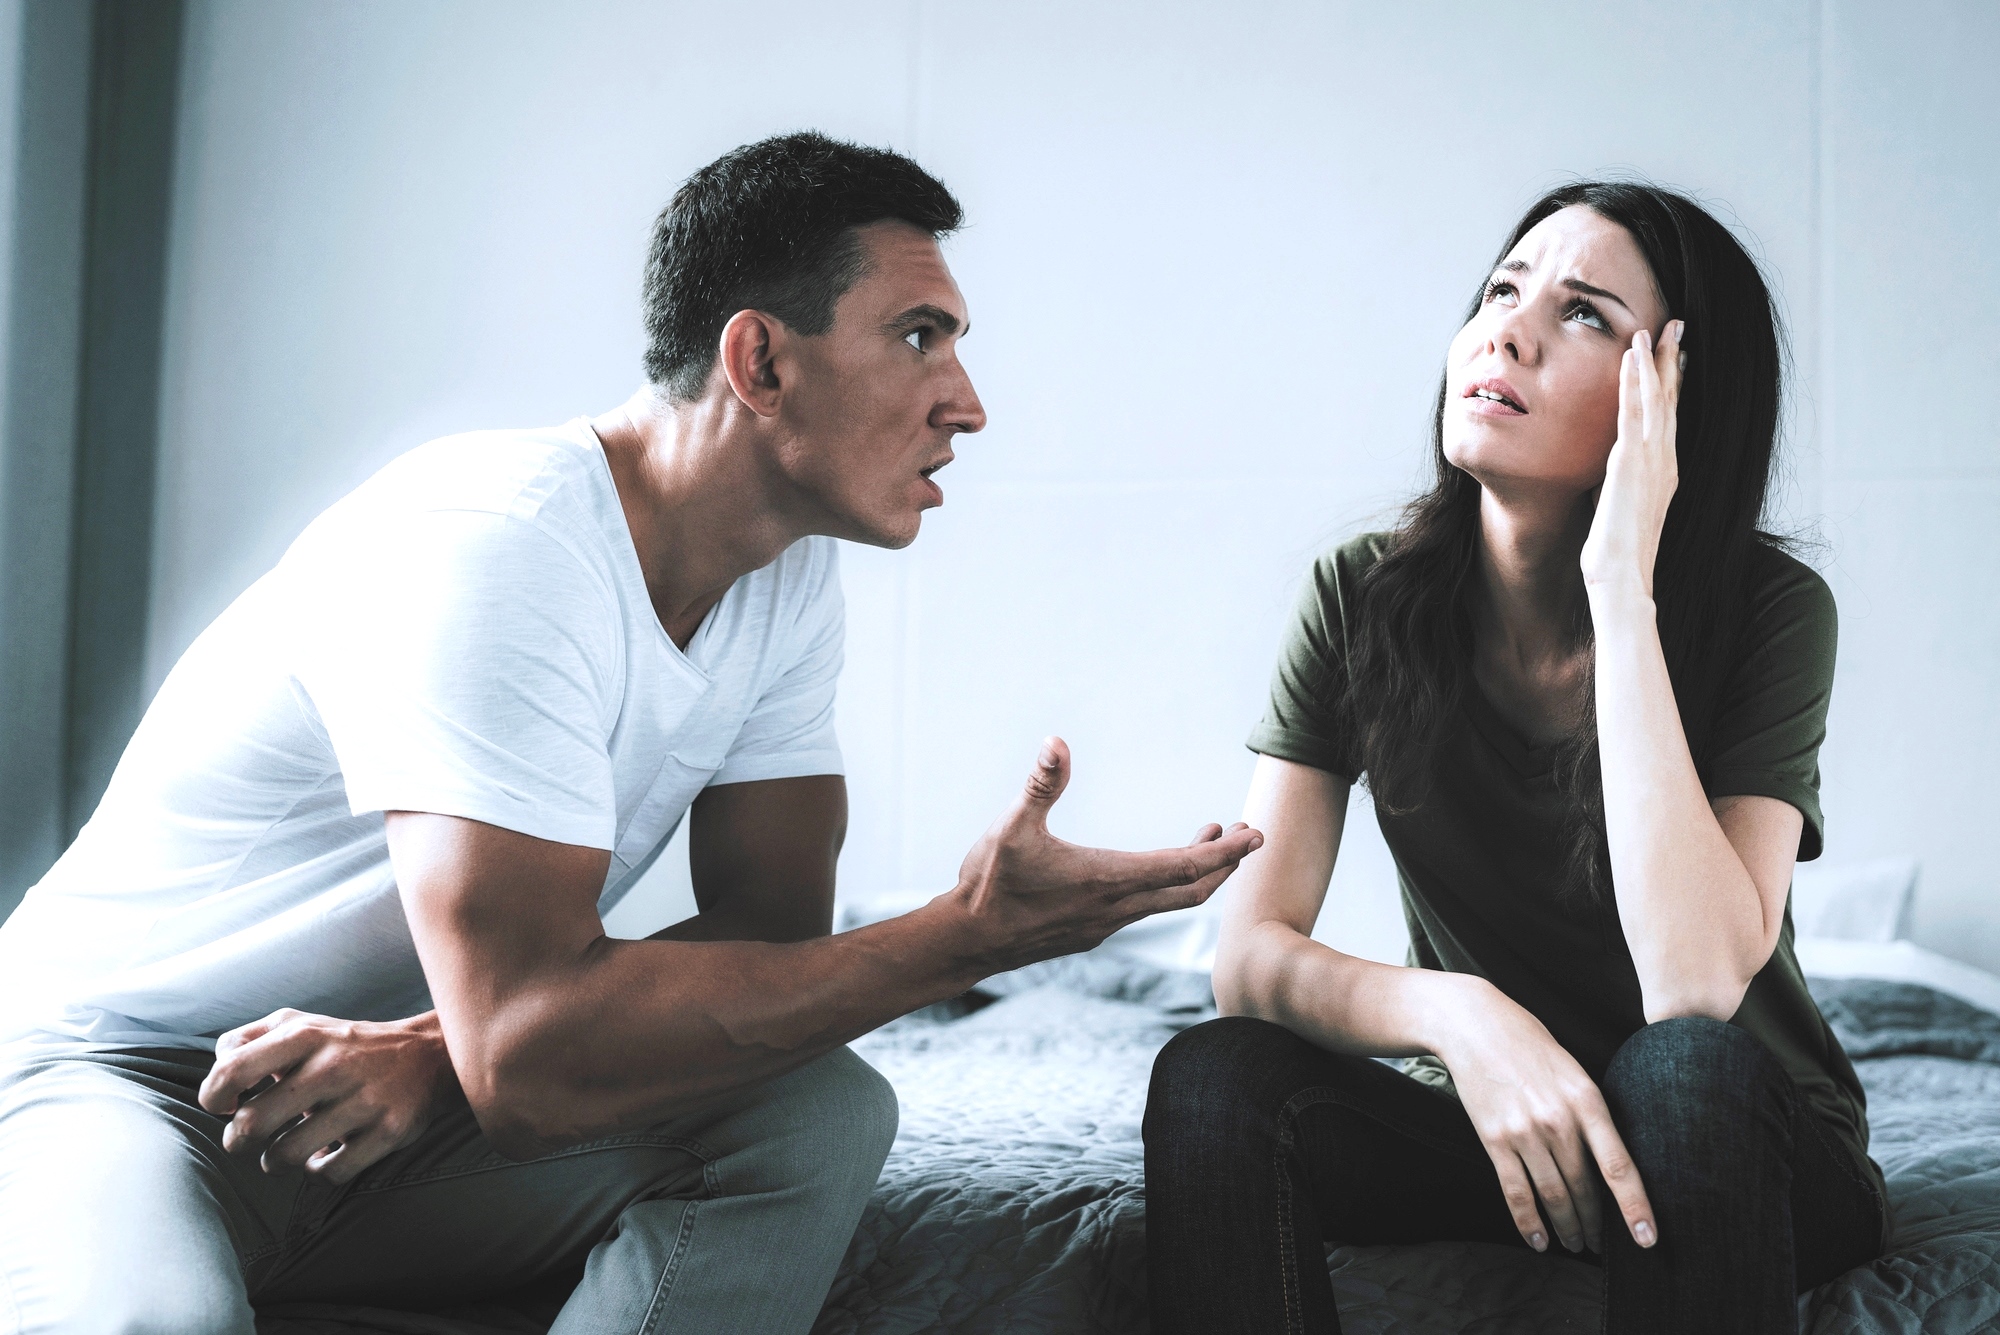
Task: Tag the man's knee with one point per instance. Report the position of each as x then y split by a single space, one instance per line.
867 1108
110 1219
148 1304
856 1110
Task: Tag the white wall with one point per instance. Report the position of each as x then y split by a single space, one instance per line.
1215 255
1911 475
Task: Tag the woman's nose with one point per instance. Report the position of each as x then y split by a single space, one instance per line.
1511 338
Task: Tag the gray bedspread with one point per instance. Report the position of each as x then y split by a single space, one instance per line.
1014 1200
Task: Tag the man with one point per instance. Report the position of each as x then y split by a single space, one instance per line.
398 781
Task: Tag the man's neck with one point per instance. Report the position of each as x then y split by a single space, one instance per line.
704 504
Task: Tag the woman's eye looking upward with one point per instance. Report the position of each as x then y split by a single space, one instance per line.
1588 314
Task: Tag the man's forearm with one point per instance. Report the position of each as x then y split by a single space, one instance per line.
631 1032
724 923
559 1034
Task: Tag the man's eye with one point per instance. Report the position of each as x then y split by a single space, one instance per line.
915 338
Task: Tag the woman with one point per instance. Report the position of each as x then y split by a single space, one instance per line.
1587 695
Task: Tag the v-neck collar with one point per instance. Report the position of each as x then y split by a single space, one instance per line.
634 573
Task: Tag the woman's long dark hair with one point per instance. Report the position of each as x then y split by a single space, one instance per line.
1410 658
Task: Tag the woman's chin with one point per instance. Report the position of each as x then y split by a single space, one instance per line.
1506 466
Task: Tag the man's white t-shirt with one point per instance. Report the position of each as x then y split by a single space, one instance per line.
467 633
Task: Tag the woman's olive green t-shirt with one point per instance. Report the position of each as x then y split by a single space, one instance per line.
1481 859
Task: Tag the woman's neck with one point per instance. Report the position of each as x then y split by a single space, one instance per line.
1533 595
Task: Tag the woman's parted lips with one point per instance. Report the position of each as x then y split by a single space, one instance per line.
1498 393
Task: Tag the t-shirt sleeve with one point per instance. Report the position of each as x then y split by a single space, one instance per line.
1304 720
1772 714
789 732
466 665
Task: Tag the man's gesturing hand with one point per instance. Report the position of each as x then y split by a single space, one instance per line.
329 1096
1034 896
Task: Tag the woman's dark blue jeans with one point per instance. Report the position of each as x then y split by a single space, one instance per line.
1261 1148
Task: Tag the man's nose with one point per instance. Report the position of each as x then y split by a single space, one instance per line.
961 410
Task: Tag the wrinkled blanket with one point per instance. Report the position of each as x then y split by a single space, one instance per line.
1014 1199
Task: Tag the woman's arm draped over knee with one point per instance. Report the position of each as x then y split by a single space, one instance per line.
1268 966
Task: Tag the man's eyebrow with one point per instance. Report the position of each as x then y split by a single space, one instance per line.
918 316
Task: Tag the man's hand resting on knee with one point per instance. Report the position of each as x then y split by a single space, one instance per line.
329 1096
561 1034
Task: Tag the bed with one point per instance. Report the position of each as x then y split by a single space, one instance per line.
1014 1200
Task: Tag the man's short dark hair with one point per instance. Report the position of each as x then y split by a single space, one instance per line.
771 227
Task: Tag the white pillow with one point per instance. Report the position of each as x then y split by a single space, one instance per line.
1854 901
1899 962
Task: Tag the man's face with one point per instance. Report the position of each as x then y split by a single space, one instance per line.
878 398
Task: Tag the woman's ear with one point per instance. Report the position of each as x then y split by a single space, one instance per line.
748 357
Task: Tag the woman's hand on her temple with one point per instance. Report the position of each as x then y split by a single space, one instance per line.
1543 1121
326 1095
1643 470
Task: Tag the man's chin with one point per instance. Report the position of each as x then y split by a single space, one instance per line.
894 536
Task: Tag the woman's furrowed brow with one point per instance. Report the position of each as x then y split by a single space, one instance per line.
1578 285
1573 284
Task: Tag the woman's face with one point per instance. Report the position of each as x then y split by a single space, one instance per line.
1531 386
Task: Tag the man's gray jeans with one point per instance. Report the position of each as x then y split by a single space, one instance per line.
120 1213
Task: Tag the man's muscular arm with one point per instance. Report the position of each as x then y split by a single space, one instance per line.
762 857
560 1034
342 1094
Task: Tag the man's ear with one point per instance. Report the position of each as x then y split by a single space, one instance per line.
748 356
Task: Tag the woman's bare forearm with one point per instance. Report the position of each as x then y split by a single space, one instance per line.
1693 918
1267 964
1344 1003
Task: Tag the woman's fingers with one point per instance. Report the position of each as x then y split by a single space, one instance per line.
1651 404
1621 1175
1631 402
1519 1193
1559 1201
1572 1161
1671 362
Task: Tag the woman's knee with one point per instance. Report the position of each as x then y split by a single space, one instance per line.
1682 1082
1228 1079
